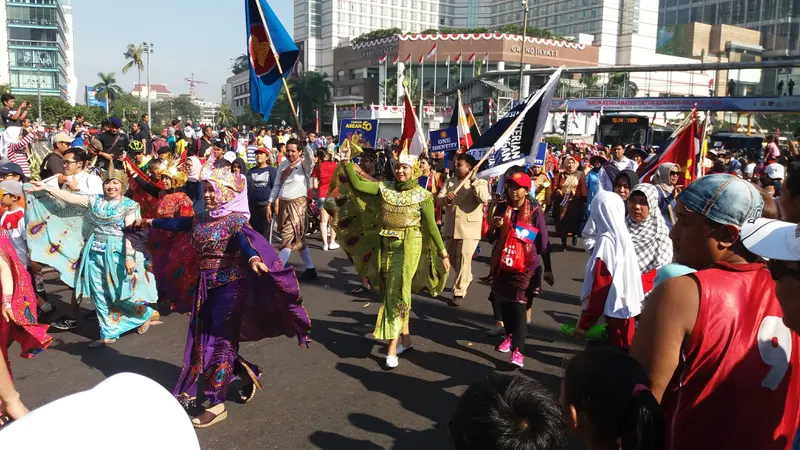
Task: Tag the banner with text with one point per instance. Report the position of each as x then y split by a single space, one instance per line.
364 133
444 140
541 154
657 104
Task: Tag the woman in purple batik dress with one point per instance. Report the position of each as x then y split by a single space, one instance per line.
244 293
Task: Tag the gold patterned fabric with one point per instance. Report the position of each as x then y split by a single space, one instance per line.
401 210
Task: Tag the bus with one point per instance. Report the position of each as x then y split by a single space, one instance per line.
632 129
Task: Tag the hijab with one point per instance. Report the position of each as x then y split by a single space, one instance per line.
197 166
633 178
9 136
661 177
614 247
571 180
230 191
650 236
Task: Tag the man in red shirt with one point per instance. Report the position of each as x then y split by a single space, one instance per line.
322 176
713 342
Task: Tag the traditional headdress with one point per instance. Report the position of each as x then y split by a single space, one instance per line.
230 191
176 173
117 174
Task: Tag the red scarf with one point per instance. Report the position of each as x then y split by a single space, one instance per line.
289 169
524 217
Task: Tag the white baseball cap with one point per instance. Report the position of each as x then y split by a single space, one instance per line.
774 171
772 239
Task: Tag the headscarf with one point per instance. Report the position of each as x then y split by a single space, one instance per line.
633 178
613 246
661 178
571 180
230 191
197 166
651 236
9 136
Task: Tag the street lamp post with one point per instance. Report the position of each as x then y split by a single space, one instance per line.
148 49
39 91
522 47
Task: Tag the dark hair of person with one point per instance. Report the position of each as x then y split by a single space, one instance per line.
611 391
467 158
175 122
322 154
178 134
79 154
792 178
631 176
507 412
281 145
154 163
293 141
207 127
78 116
6 97
427 159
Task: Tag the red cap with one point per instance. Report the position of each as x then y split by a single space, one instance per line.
261 150
521 180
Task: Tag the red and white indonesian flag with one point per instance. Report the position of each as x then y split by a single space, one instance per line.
408 59
486 59
382 59
412 138
447 63
431 53
421 58
395 59
471 58
458 58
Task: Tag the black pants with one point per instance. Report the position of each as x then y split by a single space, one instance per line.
513 316
258 219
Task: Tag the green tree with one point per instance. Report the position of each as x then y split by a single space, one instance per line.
107 89
620 85
93 114
185 108
133 55
376 34
251 118
225 116
55 109
312 92
5 89
127 107
240 64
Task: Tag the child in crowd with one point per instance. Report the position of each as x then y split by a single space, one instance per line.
13 222
507 412
609 404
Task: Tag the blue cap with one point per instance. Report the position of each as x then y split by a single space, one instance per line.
115 122
723 198
11 167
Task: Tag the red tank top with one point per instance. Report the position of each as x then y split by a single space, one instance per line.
735 386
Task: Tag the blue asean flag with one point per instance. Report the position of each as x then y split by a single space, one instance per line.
526 233
262 37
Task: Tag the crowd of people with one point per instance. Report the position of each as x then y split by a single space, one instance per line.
693 321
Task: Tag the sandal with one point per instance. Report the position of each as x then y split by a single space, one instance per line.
144 327
100 343
359 290
5 420
218 411
249 389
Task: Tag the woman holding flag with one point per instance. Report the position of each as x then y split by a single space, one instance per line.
516 226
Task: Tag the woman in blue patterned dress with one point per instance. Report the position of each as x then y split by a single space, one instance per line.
82 237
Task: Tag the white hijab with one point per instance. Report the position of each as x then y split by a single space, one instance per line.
613 245
9 136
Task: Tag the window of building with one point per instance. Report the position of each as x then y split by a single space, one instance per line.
355 90
710 14
340 75
351 75
33 79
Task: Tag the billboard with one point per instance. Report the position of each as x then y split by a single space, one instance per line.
300 64
361 132
444 140
91 100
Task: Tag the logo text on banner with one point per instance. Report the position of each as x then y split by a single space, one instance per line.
444 140
362 132
541 154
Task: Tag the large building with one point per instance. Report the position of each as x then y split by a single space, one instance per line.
156 92
36 48
236 93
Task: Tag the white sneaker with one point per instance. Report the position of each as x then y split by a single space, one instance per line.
402 349
325 247
334 246
392 362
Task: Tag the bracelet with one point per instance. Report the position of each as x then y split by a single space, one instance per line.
443 254
7 305
254 259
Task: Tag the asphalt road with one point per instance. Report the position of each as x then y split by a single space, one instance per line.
335 395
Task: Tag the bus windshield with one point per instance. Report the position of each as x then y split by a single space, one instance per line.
622 129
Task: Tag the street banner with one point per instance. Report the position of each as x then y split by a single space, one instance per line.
541 154
657 104
444 140
514 137
363 133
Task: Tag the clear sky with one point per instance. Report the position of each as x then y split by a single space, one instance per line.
189 36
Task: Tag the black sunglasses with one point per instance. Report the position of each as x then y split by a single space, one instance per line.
779 269
674 173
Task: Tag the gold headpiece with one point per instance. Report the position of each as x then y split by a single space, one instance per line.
406 157
175 172
119 175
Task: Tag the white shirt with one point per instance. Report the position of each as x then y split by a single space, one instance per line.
267 140
297 182
189 132
606 183
87 184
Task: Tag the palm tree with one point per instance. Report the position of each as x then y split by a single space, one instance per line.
312 91
225 116
134 56
107 88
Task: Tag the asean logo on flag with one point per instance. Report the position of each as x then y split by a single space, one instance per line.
443 134
262 57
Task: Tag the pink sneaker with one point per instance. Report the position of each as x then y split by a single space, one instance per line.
517 358
505 346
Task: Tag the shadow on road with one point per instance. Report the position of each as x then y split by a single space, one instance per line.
110 361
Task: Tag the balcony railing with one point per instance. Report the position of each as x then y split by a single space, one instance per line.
34 22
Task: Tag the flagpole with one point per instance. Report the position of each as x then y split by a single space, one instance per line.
460 66
385 76
421 93
474 170
447 98
435 66
278 63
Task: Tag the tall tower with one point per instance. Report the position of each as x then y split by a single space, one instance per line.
72 79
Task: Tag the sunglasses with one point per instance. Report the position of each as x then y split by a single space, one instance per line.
674 173
779 269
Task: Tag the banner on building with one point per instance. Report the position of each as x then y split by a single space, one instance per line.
364 133
444 140
651 104
91 98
